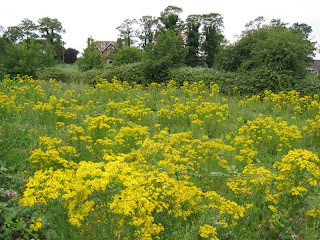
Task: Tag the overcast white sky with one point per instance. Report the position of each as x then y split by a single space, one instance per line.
99 18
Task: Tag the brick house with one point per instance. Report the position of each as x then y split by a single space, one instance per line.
106 48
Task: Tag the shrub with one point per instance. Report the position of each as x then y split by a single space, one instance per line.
226 80
309 85
91 76
56 73
26 58
127 55
132 72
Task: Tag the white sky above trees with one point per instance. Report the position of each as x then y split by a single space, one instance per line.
99 18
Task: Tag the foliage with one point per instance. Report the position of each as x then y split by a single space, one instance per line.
167 53
126 34
193 23
92 57
51 30
70 55
146 33
276 47
203 37
132 73
56 73
169 18
127 55
48 31
24 31
26 58
212 32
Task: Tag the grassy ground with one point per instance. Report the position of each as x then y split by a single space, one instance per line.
119 161
73 68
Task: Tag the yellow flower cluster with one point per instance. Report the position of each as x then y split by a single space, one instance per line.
291 100
251 180
264 134
136 191
207 231
36 224
138 159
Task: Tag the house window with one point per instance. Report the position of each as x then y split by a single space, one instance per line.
103 44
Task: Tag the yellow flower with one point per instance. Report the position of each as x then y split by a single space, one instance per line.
207 231
36 224
273 208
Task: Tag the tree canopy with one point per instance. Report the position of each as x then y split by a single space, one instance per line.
92 58
275 45
168 52
47 31
127 55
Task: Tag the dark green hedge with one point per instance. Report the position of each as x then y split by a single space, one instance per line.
244 82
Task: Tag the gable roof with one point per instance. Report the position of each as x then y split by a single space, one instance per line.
102 45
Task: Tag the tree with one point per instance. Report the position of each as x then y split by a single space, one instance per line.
146 33
26 58
168 52
51 30
25 31
29 29
304 28
193 23
274 54
13 34
127 55
92 57
212 34
127 32
170 19
70 55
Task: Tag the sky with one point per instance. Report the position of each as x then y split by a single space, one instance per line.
100 18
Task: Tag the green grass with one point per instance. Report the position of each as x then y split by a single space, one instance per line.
72 68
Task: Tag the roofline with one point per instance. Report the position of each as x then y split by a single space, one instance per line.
110 42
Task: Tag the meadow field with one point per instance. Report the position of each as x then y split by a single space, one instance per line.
119 160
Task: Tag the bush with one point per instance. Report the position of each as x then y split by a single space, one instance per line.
91 76
56 73
132 72
26 58
127 55
309 85
190 74
226 80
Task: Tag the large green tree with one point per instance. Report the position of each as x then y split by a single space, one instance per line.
169 19
275 45
212 36
29 29
127 33
25 31
51 30
13 34
275 55
193 23
168 52
146 32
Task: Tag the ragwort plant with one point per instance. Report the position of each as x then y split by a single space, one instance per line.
122 161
